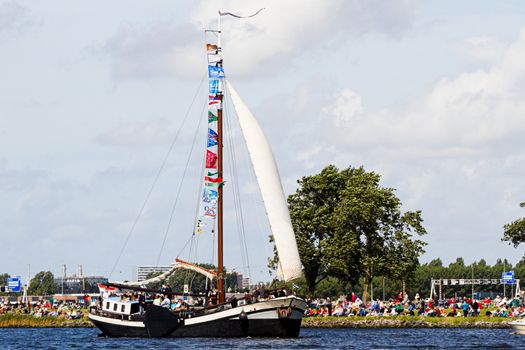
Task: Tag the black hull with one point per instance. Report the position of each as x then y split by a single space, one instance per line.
283 328
279 318
118 331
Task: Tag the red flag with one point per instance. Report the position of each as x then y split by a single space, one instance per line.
103 288
211 179
211 160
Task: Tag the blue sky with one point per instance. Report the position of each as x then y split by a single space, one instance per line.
427 93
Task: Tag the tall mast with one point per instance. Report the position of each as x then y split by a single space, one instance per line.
220 262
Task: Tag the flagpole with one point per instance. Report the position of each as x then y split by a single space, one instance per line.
220 241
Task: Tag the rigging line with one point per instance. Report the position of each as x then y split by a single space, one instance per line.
180 185
244 245
234 195
213 236
187 275
201 188
235 180
193 239
194 272
184 247
232 166
154 183
237 196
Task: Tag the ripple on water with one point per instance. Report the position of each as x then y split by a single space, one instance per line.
458 339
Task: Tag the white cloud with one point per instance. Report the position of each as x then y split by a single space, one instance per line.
347 108
164 48
267 43
456 152
465 115
482 48
14 18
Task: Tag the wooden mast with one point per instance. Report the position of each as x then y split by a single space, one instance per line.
220 262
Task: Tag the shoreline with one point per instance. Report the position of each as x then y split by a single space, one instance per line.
405 322
28 321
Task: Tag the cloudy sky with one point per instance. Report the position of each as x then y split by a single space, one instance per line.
430 94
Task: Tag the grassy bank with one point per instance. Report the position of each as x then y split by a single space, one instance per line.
405 322
29 321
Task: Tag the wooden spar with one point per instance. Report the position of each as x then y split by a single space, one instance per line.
220 262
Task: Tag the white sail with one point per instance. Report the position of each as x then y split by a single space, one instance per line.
271 189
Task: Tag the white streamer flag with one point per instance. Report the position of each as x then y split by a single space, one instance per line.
237 16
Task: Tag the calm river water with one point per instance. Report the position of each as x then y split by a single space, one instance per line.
310 339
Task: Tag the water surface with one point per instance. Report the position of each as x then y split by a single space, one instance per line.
86 338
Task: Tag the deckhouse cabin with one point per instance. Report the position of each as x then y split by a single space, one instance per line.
115 305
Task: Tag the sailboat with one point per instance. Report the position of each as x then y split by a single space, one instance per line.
277 315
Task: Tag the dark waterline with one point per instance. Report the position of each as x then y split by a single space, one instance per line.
52 338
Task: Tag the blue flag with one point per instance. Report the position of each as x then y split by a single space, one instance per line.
214 86
213 138
210 196
215 72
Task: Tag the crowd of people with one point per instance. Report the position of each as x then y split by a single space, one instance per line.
432 307
42 308
344 306
174 302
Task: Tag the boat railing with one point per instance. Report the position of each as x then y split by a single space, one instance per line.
137 316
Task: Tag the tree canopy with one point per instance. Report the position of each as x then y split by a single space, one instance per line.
3 279
312 210
196 282
349 227
514 233
43 283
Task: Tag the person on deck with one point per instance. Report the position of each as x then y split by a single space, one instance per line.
214 299
166 302
247 297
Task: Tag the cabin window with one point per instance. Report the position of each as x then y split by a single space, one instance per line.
122 308
134 308
107 305
115 307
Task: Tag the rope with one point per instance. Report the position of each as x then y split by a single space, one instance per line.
239 212
180 186
154 183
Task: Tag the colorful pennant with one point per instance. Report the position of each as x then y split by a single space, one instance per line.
211 181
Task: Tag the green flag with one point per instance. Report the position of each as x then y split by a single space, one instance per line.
212 117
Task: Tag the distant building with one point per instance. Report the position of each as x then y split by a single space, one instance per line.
245 282
239 280
76 284
144 270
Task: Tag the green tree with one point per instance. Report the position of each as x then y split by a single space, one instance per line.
372 237
312 210
154 286
3 279
43 283
514 233
196 282
348 227
422 276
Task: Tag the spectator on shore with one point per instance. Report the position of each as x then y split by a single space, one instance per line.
464 307
354 297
